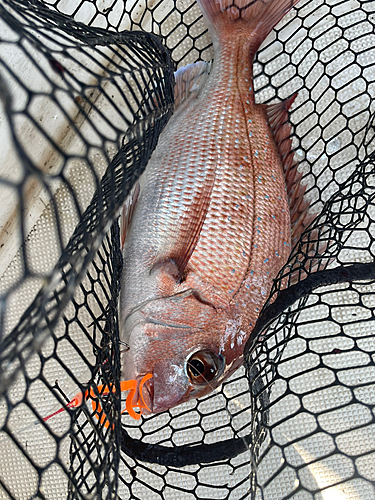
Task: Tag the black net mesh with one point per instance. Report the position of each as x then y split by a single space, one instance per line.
82 106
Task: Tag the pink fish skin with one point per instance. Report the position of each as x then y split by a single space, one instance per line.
210 223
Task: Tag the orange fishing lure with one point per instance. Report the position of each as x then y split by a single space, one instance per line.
103 390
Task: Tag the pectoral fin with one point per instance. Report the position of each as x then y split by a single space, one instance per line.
181 245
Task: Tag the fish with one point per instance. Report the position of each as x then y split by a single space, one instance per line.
210 223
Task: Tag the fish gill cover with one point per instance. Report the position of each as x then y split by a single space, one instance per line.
83 104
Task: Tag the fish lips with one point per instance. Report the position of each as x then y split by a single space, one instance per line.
169 387
147 396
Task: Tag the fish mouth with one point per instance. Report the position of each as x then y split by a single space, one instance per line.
146 393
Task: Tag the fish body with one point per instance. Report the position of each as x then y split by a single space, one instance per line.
208 226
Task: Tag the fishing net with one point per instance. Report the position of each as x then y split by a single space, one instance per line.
85 90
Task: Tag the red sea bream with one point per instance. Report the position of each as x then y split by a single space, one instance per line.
210 222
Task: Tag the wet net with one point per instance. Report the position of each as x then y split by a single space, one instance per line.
85 90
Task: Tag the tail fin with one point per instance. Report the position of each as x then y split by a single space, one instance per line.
259 16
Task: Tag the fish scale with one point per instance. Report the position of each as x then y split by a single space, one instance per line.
230 197
230 212
209 227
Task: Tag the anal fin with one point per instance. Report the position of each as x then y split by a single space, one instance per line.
128 211
190 79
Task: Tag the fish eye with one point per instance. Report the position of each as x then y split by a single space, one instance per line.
202 366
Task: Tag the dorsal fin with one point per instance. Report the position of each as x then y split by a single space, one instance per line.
278 116
128 211
190 79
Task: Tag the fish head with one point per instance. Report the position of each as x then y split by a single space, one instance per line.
188 356
180 372
188 375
